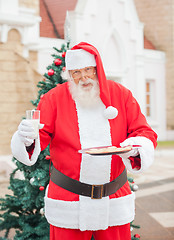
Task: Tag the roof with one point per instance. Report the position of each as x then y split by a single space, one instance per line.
46 26
148 44
53 15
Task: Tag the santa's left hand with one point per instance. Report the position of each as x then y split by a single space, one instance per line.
132 153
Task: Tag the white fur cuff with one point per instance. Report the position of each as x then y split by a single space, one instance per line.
20 153
146 153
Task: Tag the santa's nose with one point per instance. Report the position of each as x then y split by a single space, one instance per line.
84 76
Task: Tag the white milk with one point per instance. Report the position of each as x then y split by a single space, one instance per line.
35 123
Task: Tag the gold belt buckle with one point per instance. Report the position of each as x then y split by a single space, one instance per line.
92 191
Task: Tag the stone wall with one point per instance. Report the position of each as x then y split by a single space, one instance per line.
33 4
18 80
158 19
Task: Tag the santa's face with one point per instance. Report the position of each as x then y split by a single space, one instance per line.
82 76
84 87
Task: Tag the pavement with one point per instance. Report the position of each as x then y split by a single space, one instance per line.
154 198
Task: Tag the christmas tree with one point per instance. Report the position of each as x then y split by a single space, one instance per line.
24 210
134 188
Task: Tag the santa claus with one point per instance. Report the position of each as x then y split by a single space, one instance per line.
88 194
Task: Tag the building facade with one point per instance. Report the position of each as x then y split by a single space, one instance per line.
29 30
159 29
115 29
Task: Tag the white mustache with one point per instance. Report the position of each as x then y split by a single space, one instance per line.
87 97
86 82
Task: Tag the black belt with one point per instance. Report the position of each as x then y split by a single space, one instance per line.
93 191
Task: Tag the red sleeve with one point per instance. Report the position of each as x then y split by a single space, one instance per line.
137 126
135 162
30 150
47 107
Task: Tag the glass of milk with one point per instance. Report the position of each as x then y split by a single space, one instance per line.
34 117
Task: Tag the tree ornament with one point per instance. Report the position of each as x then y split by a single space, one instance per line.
50 72
41 188
42 211
134 187
31 180
47 157
137 235
34 211
63 54
57 61
63 69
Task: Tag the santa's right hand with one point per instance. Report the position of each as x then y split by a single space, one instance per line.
26 132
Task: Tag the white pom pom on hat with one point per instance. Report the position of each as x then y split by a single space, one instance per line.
110 112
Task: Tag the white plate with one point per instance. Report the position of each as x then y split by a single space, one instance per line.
106 150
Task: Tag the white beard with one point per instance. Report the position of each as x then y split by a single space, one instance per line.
85 96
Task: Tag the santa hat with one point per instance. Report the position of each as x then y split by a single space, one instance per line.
77 59
84 55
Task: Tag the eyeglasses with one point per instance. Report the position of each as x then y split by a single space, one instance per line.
89 71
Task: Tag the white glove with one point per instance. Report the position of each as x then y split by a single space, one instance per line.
134 152
146 152
26 132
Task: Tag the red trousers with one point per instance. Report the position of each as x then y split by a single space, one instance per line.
111 233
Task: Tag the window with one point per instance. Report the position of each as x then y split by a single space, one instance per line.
150 99
148 109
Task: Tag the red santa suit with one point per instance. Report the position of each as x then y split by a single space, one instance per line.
69 128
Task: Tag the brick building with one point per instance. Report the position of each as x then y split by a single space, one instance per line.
18 65
159 29
136 52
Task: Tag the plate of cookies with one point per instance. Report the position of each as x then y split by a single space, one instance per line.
106 150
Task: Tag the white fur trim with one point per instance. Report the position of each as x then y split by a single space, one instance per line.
79 58
146 153
61 213
65 214
94 213
20 153
94 169
122 210
110 112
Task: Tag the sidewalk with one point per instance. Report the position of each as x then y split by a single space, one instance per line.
155 199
